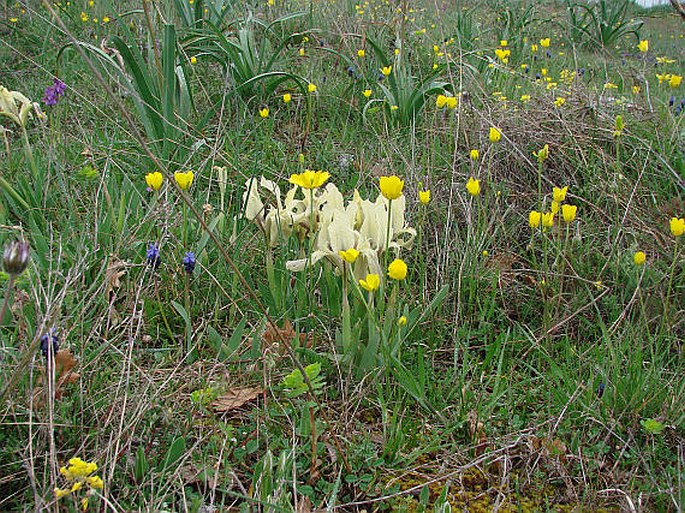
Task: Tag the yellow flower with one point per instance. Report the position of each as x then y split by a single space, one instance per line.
371 283
402 321
525 98
451 102
494 135
474 154
545 42
394 107
663 77
675 81
154 180
636 89
534 219
677 226
78 469
391 187
349 255
84 17
568 212
555 207
639 258
559 102
559 194
610 85
440 101
397 270
664 60
84 504
542 154
193 59
643 46
184 180
424 197
504 42
301 52
264 112
76 486
503 55
310 179
106 19
59 492
367 93
287 97
548 219
311 88
533 48
386 70
473 186
361 53
95 482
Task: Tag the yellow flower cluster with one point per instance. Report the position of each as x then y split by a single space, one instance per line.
674 81
446 101
79 474
546 219
503 55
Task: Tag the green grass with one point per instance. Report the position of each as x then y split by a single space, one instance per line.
538 369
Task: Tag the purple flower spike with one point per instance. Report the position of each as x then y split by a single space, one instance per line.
189 262
54 92
152 255
49 343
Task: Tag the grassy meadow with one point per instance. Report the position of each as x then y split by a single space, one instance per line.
308 255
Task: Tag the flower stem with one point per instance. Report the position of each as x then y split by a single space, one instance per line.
387 235
3 309
29 152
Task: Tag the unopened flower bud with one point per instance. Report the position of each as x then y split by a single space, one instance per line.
15 258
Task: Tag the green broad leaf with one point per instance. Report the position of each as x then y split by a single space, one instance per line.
653 426
294 384
142 465
175 452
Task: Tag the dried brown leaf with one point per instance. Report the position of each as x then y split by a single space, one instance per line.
235 398
64 375
278 338
116 269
